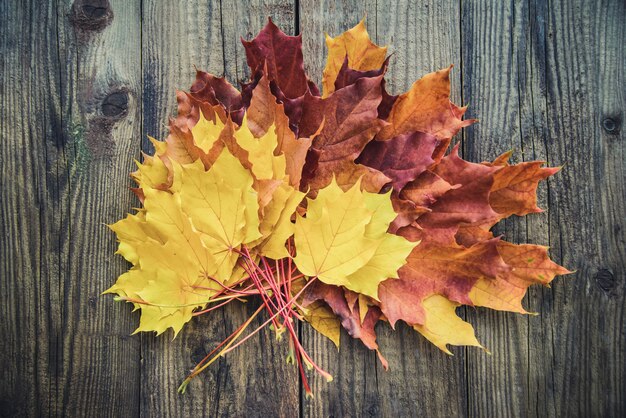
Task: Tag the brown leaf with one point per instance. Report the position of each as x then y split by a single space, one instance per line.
350 122
530 265
335 297
426 107
217 91
348 76
514 190
282 54
401 158
449 270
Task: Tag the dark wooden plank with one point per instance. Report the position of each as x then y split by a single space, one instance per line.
30 138
101 99
543 78
64 349
254 379
421 378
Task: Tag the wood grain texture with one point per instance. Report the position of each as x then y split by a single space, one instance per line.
82 84
66 155
501 79
101 114
541 78
31 208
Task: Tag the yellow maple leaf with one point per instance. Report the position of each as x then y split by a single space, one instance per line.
278 198
362 53
276 226
223 207
152 172
264 163
442 325
206 133
183 240
323 320
343 239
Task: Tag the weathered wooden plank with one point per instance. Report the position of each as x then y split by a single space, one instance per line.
30 136
101 99
253 380
496 80
65 147
585 336
541 78
421 378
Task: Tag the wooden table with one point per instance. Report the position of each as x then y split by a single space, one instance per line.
83 84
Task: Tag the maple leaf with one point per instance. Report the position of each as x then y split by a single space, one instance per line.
343 239
401 158
222 208
217 91
426 107
361 53
467 204
514 189
323 320
441 326
350 318
348 76
150 244
282 56
530 265
350 122
187 237
432 268
305 113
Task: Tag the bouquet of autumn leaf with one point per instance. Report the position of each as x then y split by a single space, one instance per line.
340 209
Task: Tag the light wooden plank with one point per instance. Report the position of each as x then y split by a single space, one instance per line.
100 68
500 89
252 380
541 79
421 378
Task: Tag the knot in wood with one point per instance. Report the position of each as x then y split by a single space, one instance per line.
91 15
198 354
605 280
115 105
